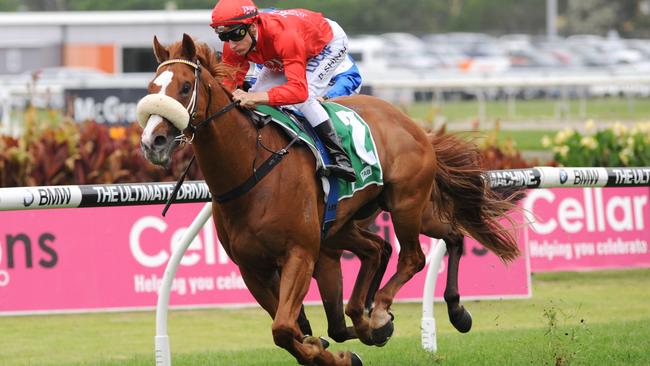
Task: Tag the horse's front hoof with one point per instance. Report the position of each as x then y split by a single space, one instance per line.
462 321
381 335
356 359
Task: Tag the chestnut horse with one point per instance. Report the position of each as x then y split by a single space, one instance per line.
432 185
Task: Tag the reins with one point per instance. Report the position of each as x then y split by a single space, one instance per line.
258 173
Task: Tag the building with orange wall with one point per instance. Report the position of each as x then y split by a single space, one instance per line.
114 42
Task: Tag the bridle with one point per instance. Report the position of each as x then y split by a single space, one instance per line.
258 172
192 105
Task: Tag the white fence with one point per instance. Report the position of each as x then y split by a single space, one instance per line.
28 198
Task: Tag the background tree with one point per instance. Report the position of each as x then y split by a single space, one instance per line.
591 16
630 17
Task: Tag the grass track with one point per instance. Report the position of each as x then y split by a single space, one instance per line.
613 304
599 109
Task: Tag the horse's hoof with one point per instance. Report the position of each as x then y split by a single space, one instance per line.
317 343
392 317
356 359
324 342
380 336
462 321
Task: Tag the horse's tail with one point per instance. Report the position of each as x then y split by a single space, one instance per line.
464 197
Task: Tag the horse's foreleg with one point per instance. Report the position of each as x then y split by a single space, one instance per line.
458 315
330 285
295 278
294 283
263 287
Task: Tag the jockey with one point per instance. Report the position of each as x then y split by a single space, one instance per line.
300 51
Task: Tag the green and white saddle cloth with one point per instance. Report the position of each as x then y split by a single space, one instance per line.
355 137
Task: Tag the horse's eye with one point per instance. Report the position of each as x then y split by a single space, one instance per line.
186 88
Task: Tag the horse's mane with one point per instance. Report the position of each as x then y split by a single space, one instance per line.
209 60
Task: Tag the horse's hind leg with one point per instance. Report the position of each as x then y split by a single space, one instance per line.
330 285
303 322
386 252
367 247
329 279
434 228
458 315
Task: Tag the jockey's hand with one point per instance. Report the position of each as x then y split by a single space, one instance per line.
250 100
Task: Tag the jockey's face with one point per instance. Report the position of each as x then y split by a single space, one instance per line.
242 45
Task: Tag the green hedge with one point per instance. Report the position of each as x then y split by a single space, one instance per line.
66 153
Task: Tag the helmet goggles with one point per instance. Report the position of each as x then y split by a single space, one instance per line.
236 33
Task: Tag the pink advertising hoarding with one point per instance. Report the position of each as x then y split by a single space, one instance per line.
588 228
113 258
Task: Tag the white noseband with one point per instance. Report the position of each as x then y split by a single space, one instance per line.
164 106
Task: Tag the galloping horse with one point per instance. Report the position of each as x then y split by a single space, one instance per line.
432 185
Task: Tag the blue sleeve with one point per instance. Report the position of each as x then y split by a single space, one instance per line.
345 83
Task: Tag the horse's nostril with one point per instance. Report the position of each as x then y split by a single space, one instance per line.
160 141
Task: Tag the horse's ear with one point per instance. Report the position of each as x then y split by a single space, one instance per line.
189 49
161 52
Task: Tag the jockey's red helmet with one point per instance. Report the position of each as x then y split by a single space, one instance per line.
229 12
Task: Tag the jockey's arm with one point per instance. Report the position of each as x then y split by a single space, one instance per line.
250 100
295 90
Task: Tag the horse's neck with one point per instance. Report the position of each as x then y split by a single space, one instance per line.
226 149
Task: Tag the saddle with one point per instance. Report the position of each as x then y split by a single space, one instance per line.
355 137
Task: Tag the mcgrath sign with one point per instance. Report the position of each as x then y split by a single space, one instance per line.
91 259
111 106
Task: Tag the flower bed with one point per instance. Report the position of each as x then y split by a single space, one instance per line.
615 145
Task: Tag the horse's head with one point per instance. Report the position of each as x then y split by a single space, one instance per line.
178 95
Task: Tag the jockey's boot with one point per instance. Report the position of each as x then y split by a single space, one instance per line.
342 167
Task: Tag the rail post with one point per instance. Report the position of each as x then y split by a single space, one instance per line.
162 350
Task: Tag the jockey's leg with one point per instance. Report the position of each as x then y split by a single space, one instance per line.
319 71
341 166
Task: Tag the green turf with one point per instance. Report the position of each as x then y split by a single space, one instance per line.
599 109
605 315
